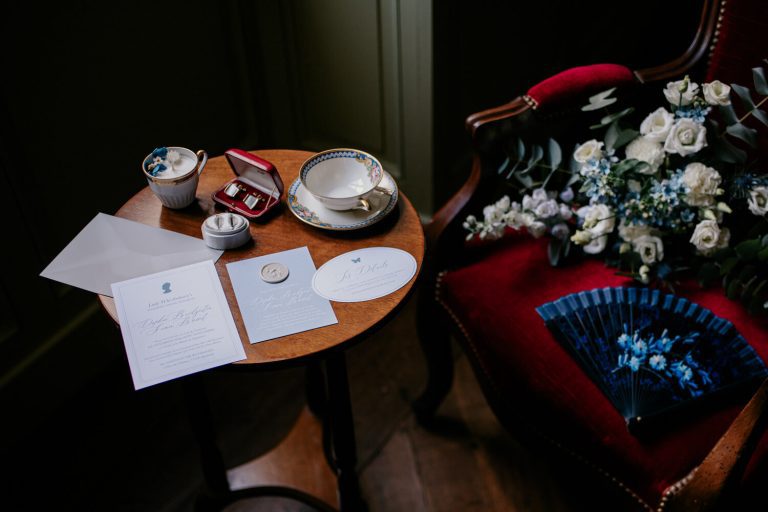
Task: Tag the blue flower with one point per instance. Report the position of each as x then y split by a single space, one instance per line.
658 362
696 112
634 363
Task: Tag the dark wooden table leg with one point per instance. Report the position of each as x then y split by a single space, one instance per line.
200 419
315 389
340 421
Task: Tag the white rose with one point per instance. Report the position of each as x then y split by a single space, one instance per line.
758 200
598 217
547 209
537 229
703 184
629 232
707 237
590 150
657 125
647 151
686 138
717 93
650 248
681 98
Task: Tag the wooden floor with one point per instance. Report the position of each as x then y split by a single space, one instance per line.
115 449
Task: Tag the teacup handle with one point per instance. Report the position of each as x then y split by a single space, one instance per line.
362 204
202 159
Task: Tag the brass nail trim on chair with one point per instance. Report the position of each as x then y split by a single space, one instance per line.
577 456
530 101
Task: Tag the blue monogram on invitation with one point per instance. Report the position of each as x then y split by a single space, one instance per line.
272 309
649 352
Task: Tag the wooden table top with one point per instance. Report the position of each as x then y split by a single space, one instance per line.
281 231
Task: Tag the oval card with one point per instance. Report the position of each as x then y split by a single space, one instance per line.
364 274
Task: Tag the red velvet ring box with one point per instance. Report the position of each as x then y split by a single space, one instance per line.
256 189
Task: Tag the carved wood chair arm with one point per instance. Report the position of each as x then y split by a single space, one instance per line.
702 489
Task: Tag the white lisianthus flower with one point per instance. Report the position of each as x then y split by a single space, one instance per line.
492 214
600 221
540 195
707 237
656 126
567 195
598 217
647 151
681 92
758 200
644 271
597 245
503 203
703 184
629 232
561 231
686 138
590 150
717 93
547 209
650 248
537 229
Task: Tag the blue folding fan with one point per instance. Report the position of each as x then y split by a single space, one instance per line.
651 352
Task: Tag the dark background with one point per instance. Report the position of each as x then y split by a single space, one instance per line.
89 87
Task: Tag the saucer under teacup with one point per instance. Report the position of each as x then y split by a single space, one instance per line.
308 209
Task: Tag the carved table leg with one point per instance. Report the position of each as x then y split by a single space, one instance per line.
435 341
340 422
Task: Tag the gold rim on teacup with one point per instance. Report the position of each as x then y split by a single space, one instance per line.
202 159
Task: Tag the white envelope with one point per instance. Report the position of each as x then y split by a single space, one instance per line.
110 249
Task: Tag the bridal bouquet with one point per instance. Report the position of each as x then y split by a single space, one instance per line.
677 195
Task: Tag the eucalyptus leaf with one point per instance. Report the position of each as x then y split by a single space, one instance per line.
761 116
504 165
729 114
728 265
744 95
555 154
745 133
722 254
600 100
526 181
611 135
727 152
625 137
748 249
520 149
758 77
708 273
733 290
618 115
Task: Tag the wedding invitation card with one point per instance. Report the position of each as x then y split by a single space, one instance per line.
175 323
275 296
364 274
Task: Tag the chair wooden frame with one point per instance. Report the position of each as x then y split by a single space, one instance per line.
705 486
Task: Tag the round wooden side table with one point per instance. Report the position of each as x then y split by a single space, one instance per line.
320 350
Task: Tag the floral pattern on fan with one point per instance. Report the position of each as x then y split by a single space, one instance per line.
650 352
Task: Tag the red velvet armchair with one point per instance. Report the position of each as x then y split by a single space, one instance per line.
488 294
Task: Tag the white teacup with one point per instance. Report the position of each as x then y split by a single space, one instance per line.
342 179
176 184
